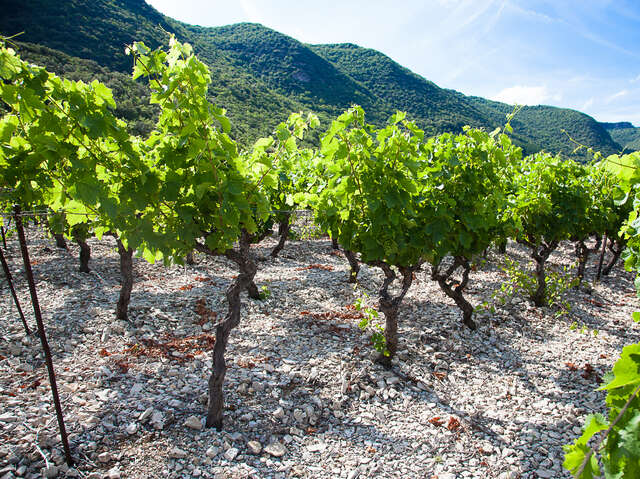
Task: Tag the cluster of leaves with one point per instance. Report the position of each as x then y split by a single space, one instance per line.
459 170
617 448
369 199
400 200
393 196
131 97
198 188
551 200
627 170
281 167
369 322
616 451
61 146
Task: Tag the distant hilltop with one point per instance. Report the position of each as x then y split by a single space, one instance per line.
621 125
625 134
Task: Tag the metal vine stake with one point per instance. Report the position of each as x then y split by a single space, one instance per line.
43 337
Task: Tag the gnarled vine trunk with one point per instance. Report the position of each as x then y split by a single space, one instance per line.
247 269
601 258
582 252
189 259
389 305
284 226
85 255
540 253
354 263
502 246
616 249
454 289
598 238
61 242
253 291
126 271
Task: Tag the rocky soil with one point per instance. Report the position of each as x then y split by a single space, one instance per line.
304 398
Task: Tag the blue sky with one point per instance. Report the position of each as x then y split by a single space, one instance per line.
575 54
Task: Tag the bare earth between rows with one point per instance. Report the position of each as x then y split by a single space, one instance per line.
303 397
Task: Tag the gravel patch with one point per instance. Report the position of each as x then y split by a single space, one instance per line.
303 397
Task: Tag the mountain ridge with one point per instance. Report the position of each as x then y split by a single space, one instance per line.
260 75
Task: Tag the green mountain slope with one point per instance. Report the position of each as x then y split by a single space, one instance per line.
290 67
261 75
543 128
535 128
99 30
624 133
94 30
438 109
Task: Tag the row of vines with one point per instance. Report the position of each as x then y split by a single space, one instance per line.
389 197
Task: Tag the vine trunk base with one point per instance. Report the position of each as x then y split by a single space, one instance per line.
85 256
247 269
126 270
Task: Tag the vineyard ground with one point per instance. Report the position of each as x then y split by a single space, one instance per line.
496 403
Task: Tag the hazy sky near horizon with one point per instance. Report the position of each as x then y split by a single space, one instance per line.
581 54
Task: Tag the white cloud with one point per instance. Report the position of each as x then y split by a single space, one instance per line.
532 14
635 80
527 95
587 104
615 96
467 15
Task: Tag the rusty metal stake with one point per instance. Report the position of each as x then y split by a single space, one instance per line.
41 333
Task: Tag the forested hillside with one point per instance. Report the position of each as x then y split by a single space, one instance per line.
543 127
291 68
437 108
260 75
100 30
625 134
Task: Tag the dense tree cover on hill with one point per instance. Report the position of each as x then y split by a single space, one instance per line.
543 128
260 75
96 30
625 134
100 30
438 109
87 29
290 67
